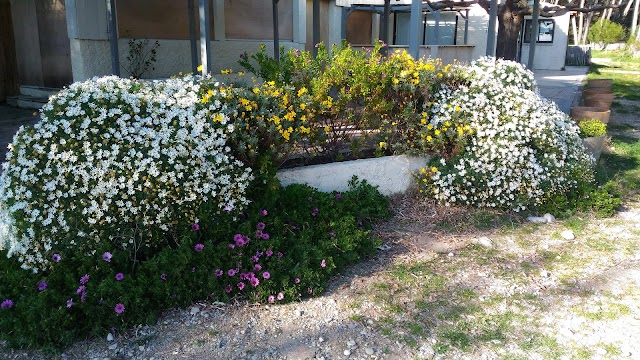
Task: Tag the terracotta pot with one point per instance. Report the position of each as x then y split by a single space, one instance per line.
597 103
599 92
586 112
594 145
600 84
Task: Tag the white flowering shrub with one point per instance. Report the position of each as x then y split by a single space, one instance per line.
501 145
118 162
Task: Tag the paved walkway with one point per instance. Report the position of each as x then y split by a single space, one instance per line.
563 87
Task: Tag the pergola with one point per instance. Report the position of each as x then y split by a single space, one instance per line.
416 9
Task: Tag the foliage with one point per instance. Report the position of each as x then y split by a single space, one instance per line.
591 128
605 31
141 57
512 148
268 68
117 163
287 246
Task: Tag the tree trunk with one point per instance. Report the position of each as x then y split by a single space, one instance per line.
580 25
634 21
509 25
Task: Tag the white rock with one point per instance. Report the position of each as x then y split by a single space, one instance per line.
537 219
299 312
544 273
141 348
194 310
568 235
550 218
347 352
484 241
450 254
369 351
110 337
321 339
351 343
113 347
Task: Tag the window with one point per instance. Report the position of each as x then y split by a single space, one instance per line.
447 28
545 31
253 20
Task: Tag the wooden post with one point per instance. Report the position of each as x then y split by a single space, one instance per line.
193 36
9 75
316 26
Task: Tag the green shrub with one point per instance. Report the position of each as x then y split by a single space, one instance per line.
605 31
591 128
296 235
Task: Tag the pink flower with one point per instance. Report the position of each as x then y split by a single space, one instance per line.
195 227
83 296
280 296
232 272
323 263
119 276
228 289
231 246
81 289
240 286
271 298
269 252
261 226
338 196
265 236
315 212
119 308
279 254
199 247
254 281
107 256
297 281
266 275
218 272
257 267
56 257
310 291
263 213
69 303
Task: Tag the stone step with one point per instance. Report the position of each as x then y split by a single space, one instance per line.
38 91
27 101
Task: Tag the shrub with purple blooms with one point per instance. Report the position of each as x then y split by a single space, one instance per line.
288 244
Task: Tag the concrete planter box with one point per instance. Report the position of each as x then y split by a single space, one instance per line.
594 145
392 174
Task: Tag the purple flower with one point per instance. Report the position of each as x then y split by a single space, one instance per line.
69 303
265 236
240 239
228 208
279 254
163 277
297 281
261 226
195 227
257 267
199 247
42 286
228 289
271 298
218 272
255 258
240 286
119 276
56 257
232 272
263 213
338 196
332 233
83 296
259 233
7 304
107 256
231 246
266 275
280 296
84 279
269 252
254 281
81 289
323 263
310 291
315 212
384 75
119 308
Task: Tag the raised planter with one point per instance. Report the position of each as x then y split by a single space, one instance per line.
594 145
600 84
588 112
392 174
601 100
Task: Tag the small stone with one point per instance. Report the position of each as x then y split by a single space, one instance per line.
450 254
130 354
194 310
537 219
370 322
368 351
485 241
110 337
347 352
568 235
113 347
351 343
550 218
141 348
299 312
544 273
321 339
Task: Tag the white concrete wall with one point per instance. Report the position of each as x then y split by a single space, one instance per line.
478 31
392 174
550 56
